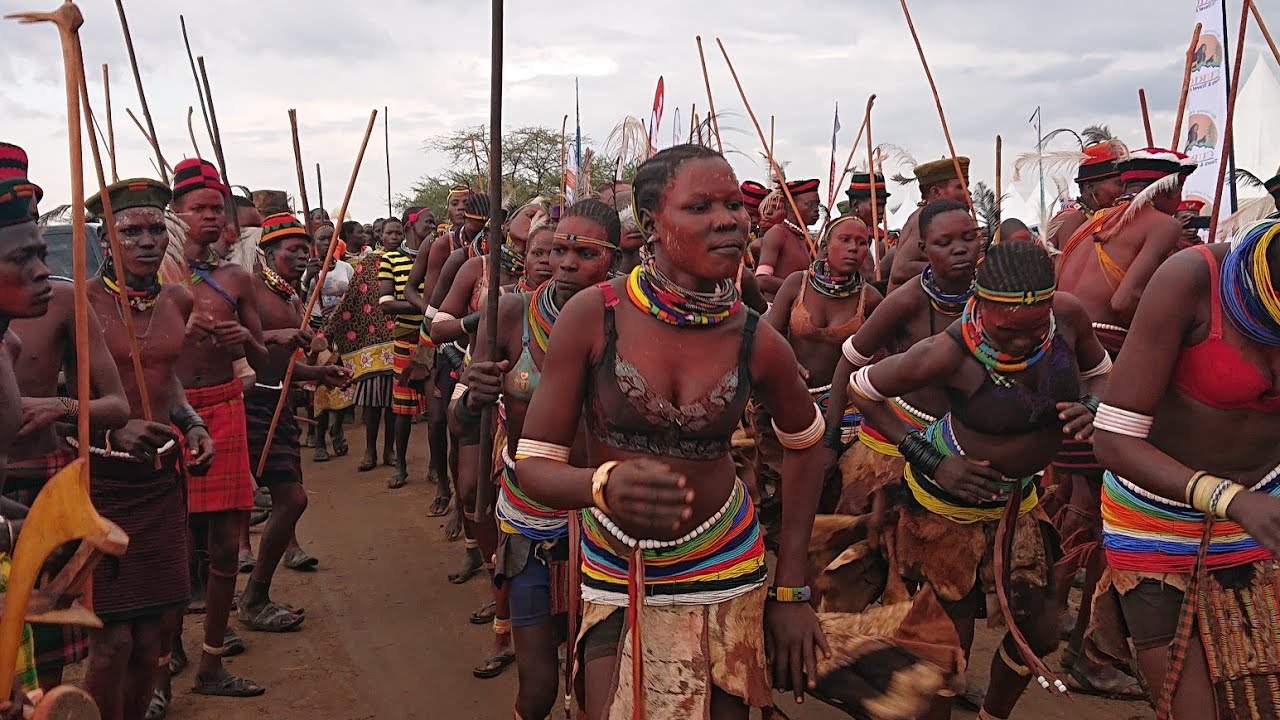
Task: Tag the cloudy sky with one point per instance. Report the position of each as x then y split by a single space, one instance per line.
995 61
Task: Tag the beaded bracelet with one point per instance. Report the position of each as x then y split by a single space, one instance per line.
791 594
1223 500
861 384
599 481
806 438
526 449
70 408
852 355
1122 422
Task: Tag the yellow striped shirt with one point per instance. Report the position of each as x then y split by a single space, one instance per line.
395 266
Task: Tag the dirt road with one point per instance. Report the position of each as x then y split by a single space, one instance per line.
387 636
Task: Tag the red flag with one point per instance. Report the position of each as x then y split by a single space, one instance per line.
655 120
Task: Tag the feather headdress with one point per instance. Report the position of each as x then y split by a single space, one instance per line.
628 142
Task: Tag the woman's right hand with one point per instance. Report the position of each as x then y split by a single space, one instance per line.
646 494
968 479
1259 514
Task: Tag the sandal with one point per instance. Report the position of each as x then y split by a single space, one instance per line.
229 686
232 645
272 618
492 667
486 614
397 481
439 506
158 708
340 447
322 455
1124 687
178 660
366 465
246 561
295 558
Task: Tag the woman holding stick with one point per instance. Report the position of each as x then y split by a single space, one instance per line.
533 548
660 427
1191 534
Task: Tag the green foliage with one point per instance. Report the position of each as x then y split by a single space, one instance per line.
531 166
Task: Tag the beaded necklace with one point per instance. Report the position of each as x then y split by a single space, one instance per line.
523 286
944 303
511 262
656 294
832 286
202 269
997 362
141 298
543 313
277 284
479 245
1249 297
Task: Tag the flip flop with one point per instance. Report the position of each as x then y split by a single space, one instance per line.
1130 691
341 447
321 455
485 615
367 465
492 667
439 506
158 708
397 481
271 618
295 558
229 686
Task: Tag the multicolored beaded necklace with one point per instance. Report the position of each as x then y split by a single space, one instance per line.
1247 292
832 286
201 270
141 298
655 293
479 245
543 313
946 304
997 362
278 284
512 261
523 286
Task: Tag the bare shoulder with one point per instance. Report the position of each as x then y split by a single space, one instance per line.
179 296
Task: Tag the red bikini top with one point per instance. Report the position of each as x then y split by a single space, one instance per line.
1216 373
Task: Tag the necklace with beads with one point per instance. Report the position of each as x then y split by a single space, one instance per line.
832 286
656 294
997 362
945 303
278 284
543 313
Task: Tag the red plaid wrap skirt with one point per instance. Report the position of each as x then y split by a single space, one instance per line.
228 485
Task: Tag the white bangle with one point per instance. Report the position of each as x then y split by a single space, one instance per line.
442 317
861 384
807 437
430 312
853 356
764 271
1122 422
1102 368
458 391
526 449
386 299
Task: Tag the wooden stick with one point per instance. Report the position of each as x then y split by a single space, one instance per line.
483 490
111 128
191 131
475 155
204 108
1266 34
564 162
693 120
113 240
999 184
813 248
164 164
302 180
315 291
848 163
1231 115
706 80
1186 86
1146 117
386 137
871 168
142 95
772 126
319 187
233 217
937 100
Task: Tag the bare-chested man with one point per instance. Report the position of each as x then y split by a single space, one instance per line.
1100 186
286 249
224 325
937 180
784 249
136 484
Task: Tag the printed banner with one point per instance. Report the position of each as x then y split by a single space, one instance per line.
1207 108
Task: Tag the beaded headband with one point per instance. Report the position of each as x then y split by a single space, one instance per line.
1027 297
587 240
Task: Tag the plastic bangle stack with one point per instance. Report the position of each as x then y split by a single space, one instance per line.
833 438
1213 497
922 455
857 359
1122 422
1091 403
471 323
806 438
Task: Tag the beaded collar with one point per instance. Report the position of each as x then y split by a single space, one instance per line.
832 286
944 303
653 292
278 284
141 298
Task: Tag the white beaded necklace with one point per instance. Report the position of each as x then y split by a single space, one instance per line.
631 542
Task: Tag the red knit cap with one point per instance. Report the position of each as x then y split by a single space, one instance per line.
196 174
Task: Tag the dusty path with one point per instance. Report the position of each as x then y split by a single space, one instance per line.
386 635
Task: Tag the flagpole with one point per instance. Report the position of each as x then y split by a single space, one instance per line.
1040 151
831 182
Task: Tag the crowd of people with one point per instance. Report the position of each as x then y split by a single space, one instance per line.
684 374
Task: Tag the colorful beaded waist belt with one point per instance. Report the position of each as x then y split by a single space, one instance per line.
914 417
1144 532
518 514
938 501
721 559
851 419
872 438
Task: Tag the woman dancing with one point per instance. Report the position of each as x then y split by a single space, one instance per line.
1188 433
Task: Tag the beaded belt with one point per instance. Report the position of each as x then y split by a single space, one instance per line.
518 514
938 501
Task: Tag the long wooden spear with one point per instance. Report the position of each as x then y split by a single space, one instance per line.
564 161
191 130
848 163
302 179
871 168
111 128
142 95
813 248
942 116
319 187
204 108
1186 85
999 185
1227 131
1266 34
315 291
164 165
386 137
711 103
481 510
1146 116
233 216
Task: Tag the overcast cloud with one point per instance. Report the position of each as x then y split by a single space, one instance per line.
994 62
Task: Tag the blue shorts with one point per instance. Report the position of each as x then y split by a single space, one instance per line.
530 592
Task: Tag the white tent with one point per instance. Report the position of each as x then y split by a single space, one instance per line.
1255 132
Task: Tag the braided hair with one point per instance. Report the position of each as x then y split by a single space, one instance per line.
598 212
653 176
932 210
1016 267
477 204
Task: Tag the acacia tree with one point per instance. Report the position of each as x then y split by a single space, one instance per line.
531 165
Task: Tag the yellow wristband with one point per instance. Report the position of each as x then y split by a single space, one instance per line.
599 481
